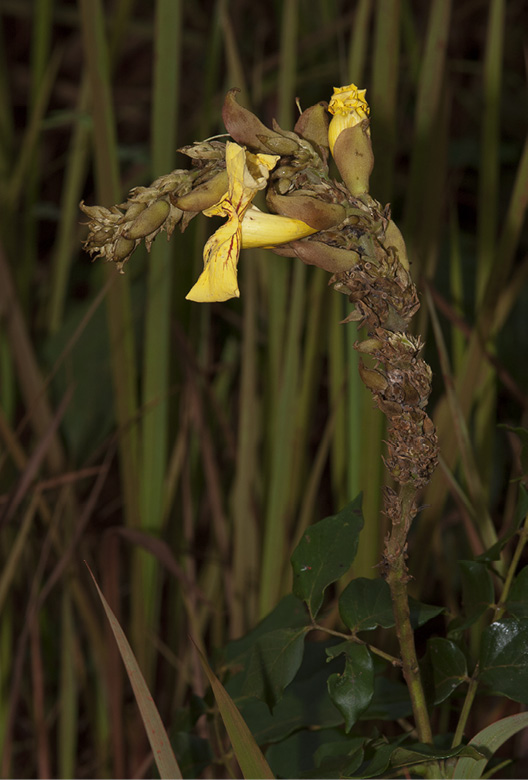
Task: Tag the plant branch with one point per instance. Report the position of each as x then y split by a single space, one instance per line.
397 578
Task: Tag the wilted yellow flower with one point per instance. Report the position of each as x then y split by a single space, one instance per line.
218 280
245 227
349 107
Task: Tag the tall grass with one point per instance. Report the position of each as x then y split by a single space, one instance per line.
182 450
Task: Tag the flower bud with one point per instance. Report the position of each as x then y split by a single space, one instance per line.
205 195
354 157
245 128
329 258
349 137
394 238
373 379
123 249
313 125
310 209
149 220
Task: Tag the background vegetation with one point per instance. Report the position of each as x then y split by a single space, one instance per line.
182 449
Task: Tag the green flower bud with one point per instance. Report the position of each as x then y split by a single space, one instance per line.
149 220
205 195
373 379
354 157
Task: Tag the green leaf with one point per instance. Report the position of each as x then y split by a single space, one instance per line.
504 658
290 612
517 601
273 663
390 701
247 752
366 604
448 667
352 690
420 753
378 756
521 510
157 736
194 753
522 433
421 613
339 758
488 741
309 754
305 703
477 590
325 553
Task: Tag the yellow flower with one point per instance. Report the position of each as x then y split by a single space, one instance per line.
349 107
247 174
218 280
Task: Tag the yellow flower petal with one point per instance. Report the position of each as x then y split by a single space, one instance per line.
218 280
349 107
247 173
260 229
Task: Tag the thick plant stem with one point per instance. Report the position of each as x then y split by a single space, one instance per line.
397 578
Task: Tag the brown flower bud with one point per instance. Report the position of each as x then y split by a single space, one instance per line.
310 209
245 128
330 258
313 124
373 379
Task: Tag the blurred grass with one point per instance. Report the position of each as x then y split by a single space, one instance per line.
236 425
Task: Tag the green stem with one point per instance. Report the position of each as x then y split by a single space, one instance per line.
523 538
464 715
397 578
351 638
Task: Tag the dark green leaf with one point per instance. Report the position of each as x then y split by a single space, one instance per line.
305 702
294 756
377 757
422 613
477 590
290 612
308 754
448 667
352 690
194 753
390 701
420 753
493 554
273 663
517 601
522 434
339 758
504 658
325 553
366 604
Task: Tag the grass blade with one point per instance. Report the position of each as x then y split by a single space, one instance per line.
247 752
159 741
